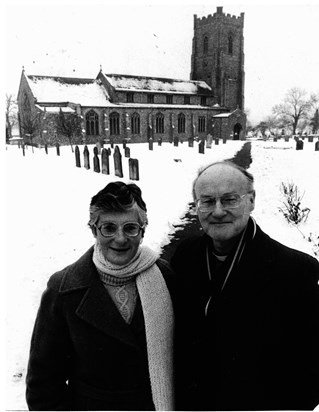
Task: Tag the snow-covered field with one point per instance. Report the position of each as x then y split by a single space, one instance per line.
46 214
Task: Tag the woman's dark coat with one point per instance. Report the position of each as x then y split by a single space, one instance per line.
83 355
258 347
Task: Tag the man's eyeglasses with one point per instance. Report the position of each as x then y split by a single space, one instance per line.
130 229
230 201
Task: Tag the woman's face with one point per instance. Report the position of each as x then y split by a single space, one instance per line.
119 249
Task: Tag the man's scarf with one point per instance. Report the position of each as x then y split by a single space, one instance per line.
158 317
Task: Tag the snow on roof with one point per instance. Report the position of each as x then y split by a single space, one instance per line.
223 115
86 92
157 84
55 109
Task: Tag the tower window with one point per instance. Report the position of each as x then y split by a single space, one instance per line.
205 45
181 123
114 123
92 123
230 44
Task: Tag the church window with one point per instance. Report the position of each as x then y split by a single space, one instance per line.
203 100
150 98
159 126
136 123
181 123
205 45
114 123
169 99
92 123
201 124
130 97
230 44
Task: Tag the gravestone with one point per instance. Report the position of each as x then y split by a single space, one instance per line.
77 157
118 162
176 141
57 149
216 141
95 151
286 138
310 139
86 155
150 144
96 163
133 169
160 141
317 146
105 162
190 142
299 145
209 141
46 148
201 147
127 152
224 140
275 139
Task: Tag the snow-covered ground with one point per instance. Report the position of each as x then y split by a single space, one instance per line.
46 214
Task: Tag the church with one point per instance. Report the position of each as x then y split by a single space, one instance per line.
117 107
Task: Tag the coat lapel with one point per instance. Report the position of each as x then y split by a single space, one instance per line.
96 307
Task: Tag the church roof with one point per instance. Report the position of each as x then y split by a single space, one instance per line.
53 89
157 84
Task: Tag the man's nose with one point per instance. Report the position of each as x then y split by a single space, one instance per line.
218 209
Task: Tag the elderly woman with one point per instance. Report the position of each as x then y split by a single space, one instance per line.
103 337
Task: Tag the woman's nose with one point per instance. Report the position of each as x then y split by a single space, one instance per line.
120 236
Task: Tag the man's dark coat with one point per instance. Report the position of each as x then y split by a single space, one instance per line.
83 355
258 346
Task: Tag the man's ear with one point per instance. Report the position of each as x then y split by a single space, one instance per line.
252 199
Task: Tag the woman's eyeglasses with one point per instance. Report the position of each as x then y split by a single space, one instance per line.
130 229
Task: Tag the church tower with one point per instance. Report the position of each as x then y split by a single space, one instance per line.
218 56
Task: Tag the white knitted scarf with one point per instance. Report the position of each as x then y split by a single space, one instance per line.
158 317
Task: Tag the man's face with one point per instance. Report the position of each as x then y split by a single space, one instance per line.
221 224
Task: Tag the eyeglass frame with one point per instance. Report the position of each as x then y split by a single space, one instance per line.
141 228
219 198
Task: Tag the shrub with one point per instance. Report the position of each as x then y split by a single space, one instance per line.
291 208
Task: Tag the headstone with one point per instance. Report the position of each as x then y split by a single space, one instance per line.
310 139
275 139
118 162
86 155
96 163
105 162
176 141
77 156
127 152
133 169
299 145
160 140
95 151
57 149
224 140
216 141
201 147
209 141
46 148
286 138
190 142
317 146
150 144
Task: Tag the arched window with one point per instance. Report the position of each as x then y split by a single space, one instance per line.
159 127
135 123
92 123
205 45
114 124
230 44
181 123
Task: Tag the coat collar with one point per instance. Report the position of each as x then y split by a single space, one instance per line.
96 306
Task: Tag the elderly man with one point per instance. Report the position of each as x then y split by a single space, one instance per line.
248 307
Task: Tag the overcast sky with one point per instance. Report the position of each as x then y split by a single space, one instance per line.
73 38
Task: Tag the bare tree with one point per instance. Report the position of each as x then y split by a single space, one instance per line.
11 115
68 125
295 107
